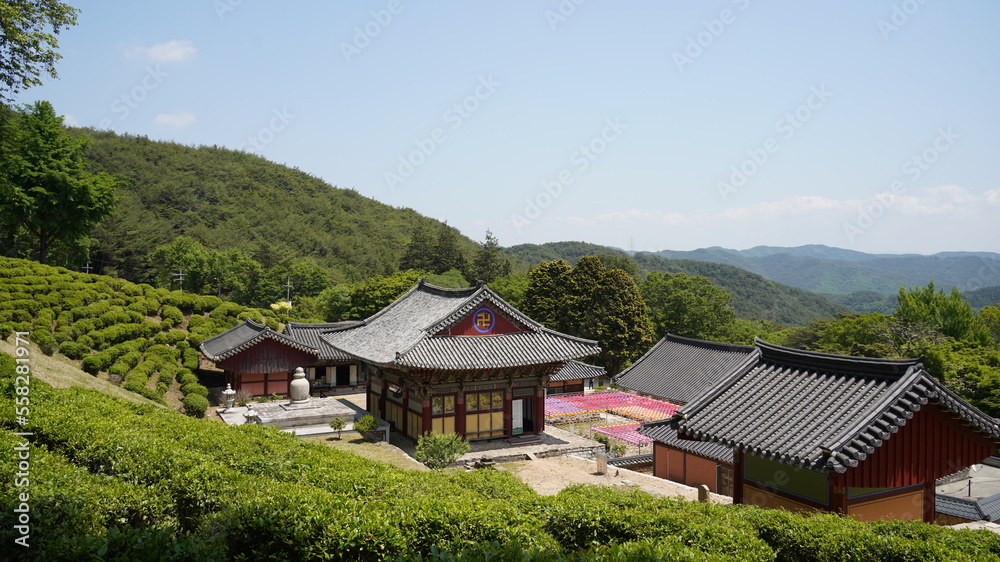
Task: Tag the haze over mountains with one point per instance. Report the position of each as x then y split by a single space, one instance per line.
827 270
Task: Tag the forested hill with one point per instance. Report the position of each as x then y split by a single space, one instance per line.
986 296
753 295
834 270
234 200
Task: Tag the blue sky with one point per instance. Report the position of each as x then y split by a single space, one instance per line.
871 125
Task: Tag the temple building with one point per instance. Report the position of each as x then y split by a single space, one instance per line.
858 436
435 360
678 370
575 376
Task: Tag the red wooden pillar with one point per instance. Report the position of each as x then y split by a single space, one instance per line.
539 414
929 506
381 402
508 414
460 414
737 477
426 412
838 497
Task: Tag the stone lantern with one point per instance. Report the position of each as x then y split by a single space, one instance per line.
229 396
298 389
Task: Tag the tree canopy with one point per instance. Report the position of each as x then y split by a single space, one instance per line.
50 200
593 302
28 43
949 312
490 262
689 306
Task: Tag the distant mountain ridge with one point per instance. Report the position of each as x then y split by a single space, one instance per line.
824 269
753 295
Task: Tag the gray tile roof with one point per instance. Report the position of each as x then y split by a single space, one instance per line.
664 433
244 336
631 460
679 369
985 509
308 333
402 334
816 410
574 370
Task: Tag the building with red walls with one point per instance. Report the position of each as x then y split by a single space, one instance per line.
435 360
858 436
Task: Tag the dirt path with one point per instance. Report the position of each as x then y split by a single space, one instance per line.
549 476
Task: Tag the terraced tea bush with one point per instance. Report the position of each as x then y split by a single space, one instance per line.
73 350
171 315
194 388
195 405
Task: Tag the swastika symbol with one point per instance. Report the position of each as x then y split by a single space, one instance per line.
483 320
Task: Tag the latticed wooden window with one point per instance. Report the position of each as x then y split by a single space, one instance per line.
480 401
442 405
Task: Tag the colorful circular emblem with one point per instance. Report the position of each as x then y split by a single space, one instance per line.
483 320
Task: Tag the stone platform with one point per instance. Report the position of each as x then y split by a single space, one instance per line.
283 414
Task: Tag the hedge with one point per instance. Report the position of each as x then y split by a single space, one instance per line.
73 350
195 405
191 359
129 481
194 388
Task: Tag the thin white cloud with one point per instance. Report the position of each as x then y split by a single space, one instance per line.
944 201
70 121
176 120
171 51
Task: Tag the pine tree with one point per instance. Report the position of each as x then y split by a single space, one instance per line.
419 253
447 253
490 262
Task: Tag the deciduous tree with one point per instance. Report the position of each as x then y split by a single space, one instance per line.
593 302
948 312
28 44
49 198
689 306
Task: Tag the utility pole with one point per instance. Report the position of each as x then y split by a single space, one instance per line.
87 268
179 277
288 290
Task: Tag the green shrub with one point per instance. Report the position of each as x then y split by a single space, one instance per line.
171 315
194 388
191 360
196 320
173 337
206 303
438 450
73 350
195 405
185 376
96 362
226 310
366 424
